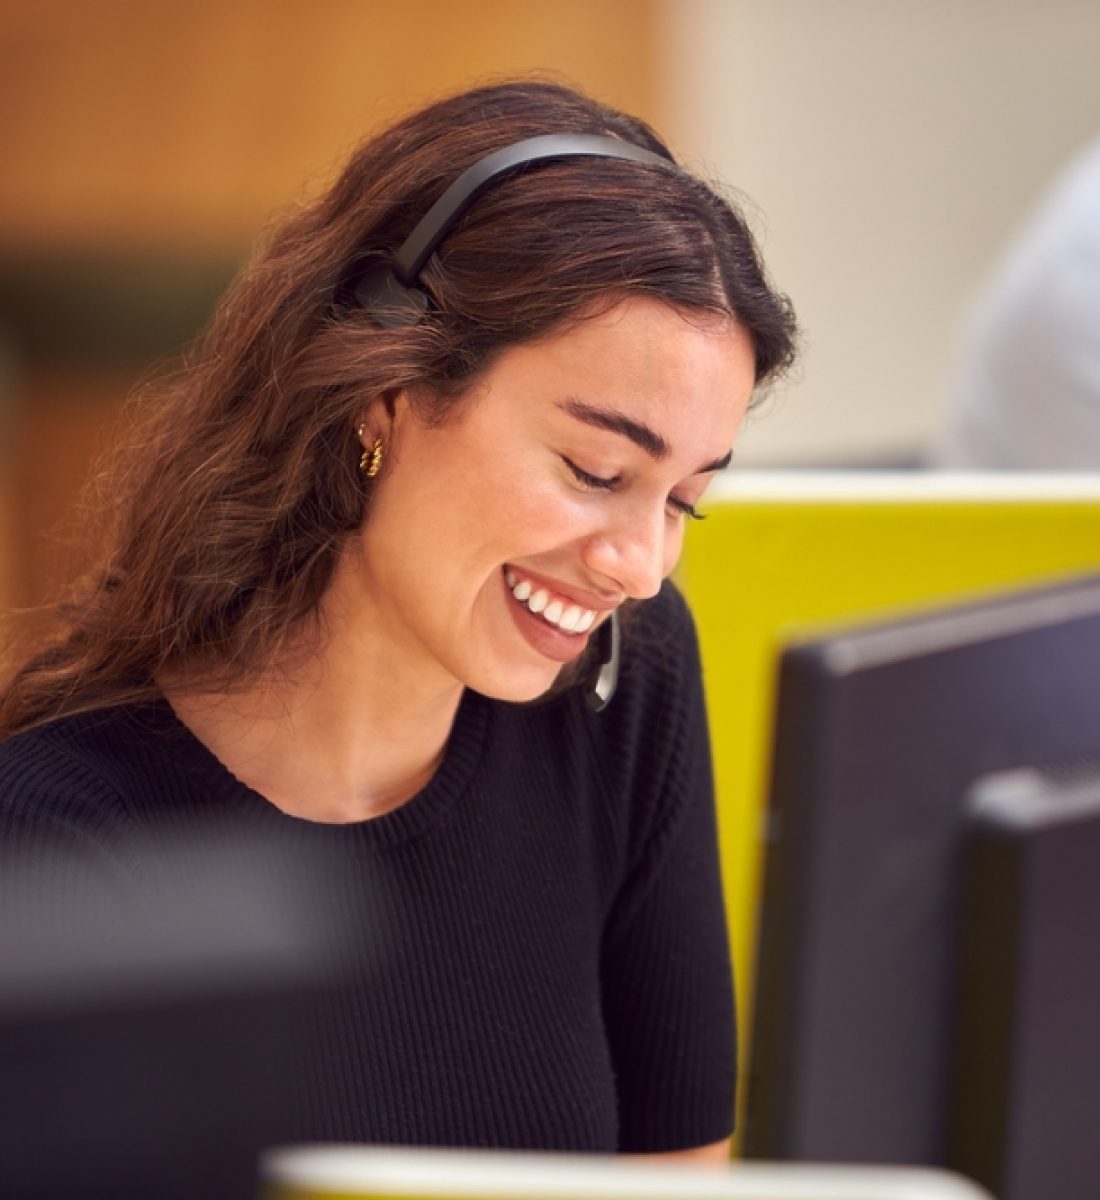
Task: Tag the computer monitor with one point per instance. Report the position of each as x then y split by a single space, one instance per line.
1024 1095
881 733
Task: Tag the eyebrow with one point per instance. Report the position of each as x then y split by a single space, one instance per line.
641 435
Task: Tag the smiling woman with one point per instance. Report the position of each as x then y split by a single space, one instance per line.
581 501
447 424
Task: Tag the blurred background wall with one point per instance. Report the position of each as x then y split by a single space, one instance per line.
888 150
892 148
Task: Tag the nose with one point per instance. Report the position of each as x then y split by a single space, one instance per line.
636 553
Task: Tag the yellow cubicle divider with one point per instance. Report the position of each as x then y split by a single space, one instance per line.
783 552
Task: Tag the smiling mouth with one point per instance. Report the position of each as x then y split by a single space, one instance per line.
556 611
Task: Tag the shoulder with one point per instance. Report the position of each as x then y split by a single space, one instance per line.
656 718
67 775
660 674
75 833
666 620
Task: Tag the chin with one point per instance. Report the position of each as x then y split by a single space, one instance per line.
513 683
515 690
507 667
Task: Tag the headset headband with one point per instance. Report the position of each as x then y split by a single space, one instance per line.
391 294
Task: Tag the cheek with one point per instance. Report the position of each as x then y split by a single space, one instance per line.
522 510
475 515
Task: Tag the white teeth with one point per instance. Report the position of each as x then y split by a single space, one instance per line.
569 618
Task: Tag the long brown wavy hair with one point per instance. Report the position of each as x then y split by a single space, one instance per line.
230 504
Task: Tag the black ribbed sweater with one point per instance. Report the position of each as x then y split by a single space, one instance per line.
543 960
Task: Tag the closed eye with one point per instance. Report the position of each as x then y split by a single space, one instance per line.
688 510
600 483
588 479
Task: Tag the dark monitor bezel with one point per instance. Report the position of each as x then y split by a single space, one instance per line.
880 732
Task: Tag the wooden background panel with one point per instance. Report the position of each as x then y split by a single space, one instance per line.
135 135
65 427
124 120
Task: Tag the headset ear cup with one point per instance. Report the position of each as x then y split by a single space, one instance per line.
390 302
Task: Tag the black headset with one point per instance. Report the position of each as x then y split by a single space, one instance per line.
394 299
392 294
600 682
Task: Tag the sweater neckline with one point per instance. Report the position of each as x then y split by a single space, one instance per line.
421 811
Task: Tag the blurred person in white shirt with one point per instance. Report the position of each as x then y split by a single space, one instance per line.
1027 394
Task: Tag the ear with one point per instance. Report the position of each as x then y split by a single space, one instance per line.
378 415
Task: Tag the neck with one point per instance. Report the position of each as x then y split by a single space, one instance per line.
352 732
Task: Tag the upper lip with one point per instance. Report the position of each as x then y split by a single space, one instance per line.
576 595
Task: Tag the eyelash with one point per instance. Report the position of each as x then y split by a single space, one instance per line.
598 483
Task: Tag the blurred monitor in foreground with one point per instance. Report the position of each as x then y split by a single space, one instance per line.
150 1038
889 1029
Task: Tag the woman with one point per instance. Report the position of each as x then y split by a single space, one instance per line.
418 461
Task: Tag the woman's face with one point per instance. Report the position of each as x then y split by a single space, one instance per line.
561 486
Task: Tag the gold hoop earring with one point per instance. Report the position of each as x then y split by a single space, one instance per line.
370 463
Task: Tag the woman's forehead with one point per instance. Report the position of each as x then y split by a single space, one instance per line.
642 363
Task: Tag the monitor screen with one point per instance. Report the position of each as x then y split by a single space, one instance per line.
881 732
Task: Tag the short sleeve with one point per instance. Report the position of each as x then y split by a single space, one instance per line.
666 976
